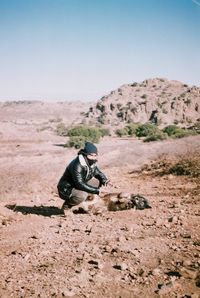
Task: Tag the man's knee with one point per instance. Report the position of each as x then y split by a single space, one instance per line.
77 197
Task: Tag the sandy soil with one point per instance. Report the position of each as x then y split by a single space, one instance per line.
46 253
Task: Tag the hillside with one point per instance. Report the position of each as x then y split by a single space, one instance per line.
157 100
44 252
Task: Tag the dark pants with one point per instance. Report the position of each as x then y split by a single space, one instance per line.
78 196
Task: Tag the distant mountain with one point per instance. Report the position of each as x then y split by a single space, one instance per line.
156 100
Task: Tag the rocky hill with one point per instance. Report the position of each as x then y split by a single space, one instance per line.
158 100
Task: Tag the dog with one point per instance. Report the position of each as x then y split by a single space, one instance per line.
116 202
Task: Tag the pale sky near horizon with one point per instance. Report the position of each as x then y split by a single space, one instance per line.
57 50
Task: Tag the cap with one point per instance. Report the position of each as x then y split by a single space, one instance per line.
90 148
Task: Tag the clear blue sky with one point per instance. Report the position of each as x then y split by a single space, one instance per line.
82 49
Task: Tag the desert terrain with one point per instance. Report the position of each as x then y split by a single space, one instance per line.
45 252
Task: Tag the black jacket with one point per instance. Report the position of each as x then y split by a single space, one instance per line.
77 174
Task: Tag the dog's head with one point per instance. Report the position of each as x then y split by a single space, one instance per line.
139 202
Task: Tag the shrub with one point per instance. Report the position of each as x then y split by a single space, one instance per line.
187 165
146 129
61 130
128 130
159 135
78 135
177 132
76 142
121 132
184 133
132 128
171 129
104 132
91 134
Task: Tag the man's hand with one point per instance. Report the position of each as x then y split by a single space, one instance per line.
109 183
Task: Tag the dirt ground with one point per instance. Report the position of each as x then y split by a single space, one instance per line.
133 253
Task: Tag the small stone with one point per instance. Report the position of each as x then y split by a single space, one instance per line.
68 293
121 266
190 274
172 205
185 235
96 264
156 271
107 248
93 262
197 280
140 272
92 272
187 263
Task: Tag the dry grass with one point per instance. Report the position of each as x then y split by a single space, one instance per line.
187 164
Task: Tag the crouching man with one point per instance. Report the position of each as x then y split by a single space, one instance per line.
75 185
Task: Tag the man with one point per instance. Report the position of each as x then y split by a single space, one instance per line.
75 184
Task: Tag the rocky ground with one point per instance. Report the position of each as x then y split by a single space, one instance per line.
132 253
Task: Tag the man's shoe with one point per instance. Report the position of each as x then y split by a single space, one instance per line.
65 206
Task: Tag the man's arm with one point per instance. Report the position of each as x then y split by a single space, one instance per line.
77 173
101 177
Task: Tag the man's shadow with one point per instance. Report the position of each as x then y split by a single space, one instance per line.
38 210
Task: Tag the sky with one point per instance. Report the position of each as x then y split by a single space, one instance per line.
57 50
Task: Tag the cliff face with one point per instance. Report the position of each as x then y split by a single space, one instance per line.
157 100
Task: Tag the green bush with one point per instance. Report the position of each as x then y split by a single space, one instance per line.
121 132
91 134
128 130
132 128
104 132
177 132
172 130
159 135
78 135
76 142
146 129
184 133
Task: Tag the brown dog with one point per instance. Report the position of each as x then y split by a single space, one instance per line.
116 201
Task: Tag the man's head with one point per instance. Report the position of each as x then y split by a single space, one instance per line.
90 150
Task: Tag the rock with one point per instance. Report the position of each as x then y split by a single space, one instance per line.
68 293
165 289
107 248
172 205
189 273
197 280
130 107
96 264
185 235
156 271
121 266
88 229
187 263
